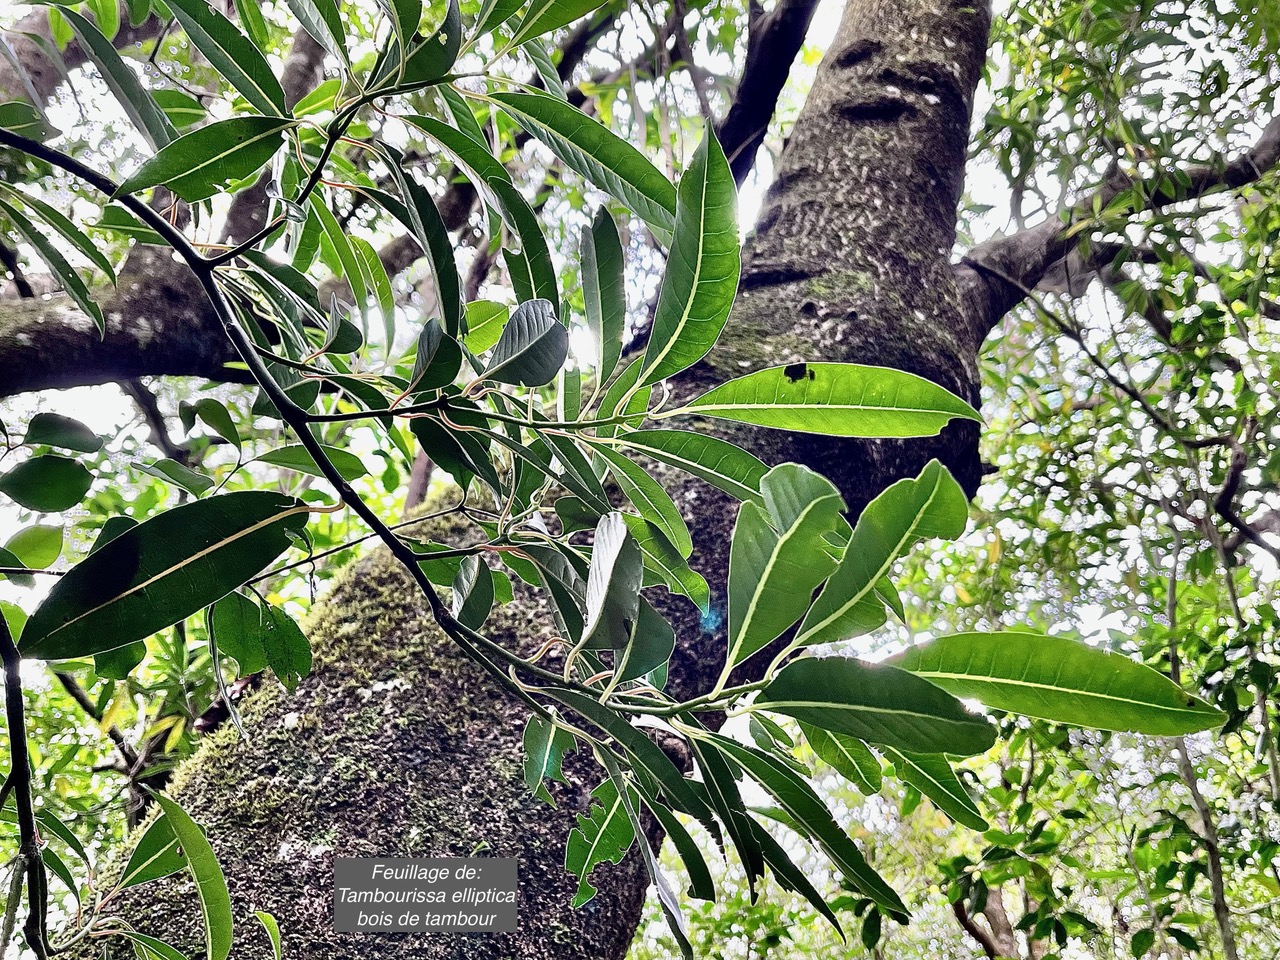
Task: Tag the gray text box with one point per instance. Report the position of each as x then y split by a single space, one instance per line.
440 894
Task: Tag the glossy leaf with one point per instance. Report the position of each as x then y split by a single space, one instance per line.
650 645
1059 679
232 54
613 586
160 571
320 19
835 399
55 430
69 231
932 775
649 498
473 593
718 462
156 854
215 901
665 565
604 291
701 279
543 16
545 745
849 756
879 704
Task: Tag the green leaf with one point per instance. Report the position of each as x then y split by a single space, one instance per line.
107 13
273 933
932 775
255 25
473 592
55 430
429 60
237 629
545 745
835 399
534 253
648 496
71 281
320 19
182 109
148 948
546 70
485 323
879 704
613 586
701 886
718 462
132 97
119 221
721 783
1142 942
25 120
774 565
215 901
161 571
47 484
337 237
437 360
408 14
232 54
180 474
849 756
156 854
117 664
701 279
811 815
296 457
287 648
601 157
1059 679
663 561
198 164
216 417
650 646
604 835
604 291
543 16
37 546
472 157
532 349
494 13
790 877
931 505
69 230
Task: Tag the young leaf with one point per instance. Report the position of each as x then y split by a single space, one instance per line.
773 564
702 272
879 704
232 54
198 164
485 322
604 834
532 348
47 484
161 571
835 399
932 775
215 901
931 505
1059 679
613 586
273 933
545 745
605 160
718 462
604 291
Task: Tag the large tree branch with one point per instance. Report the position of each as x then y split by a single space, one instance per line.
1027 256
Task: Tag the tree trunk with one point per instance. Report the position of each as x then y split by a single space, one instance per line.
397 746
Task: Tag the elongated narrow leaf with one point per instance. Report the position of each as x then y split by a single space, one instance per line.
156 854
790 876
431 58
604 291
613 586
930 505
649 647
472 157
296 457
648 497
835 399
232 54
342 248
932 775
320 19
879 704
272 928
71 281
807 810
134 99
532 348
199 164
494 13
215 901
533 245
718 462
545 745
701 885
599 155
721 783
547 72
147 947
603 835
664 565
160 571
774 566
849 756
70 232
543 16
702 272
1059 679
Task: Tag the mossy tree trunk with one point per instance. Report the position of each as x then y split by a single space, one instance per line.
397 746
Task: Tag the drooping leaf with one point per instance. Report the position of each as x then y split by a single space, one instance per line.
286 646
790 876
473 592
849 756
718 462
604 291
342 248
701 885
877 703
215 901
437 360
773 564
604 834
649 647
47 484
161 571
613 586
649 498
147 947
232 54
71 281
1059 679
533 346
295 456
69 231
543 16
664 565
237 629
178 473
605 160
198 164
545 745
538 273
55 430
835 399
701 279
932 775
721 782
931 505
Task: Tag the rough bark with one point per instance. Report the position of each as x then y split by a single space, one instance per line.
397 746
